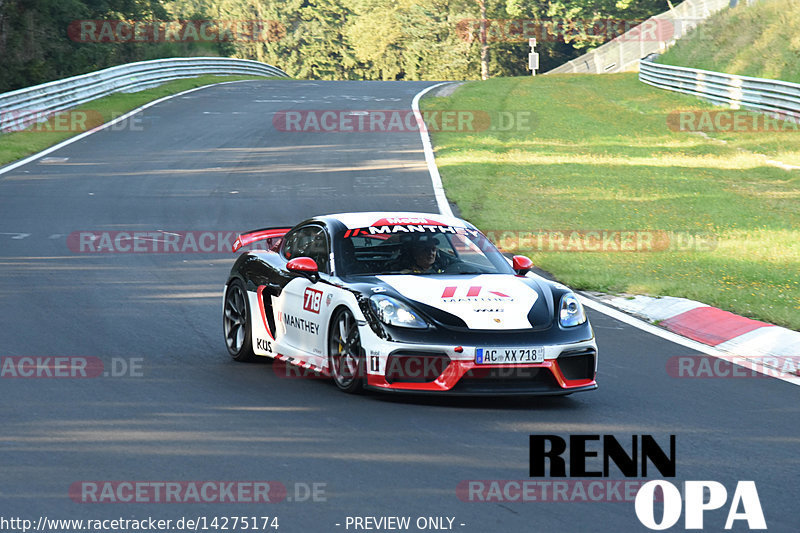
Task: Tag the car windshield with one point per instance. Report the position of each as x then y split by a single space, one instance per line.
427 250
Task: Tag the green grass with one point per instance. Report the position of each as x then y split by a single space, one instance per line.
16 145
762 40
601 157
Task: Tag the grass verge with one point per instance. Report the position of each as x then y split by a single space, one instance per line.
18 144
598 155
762 40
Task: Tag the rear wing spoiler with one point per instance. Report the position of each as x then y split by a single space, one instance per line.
273 236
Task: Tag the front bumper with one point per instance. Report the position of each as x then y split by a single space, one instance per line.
452 370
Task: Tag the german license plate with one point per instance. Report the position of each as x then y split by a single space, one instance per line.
509 356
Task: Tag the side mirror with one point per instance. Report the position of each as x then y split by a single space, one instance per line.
305 266
521 264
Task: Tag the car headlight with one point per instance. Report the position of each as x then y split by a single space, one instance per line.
572 313
395 313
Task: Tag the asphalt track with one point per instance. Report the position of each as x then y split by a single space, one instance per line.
210 161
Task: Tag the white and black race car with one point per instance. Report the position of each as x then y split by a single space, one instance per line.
405 302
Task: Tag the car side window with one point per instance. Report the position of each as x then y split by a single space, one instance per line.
289 246
308 241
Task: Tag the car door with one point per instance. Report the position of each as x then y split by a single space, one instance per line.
301 313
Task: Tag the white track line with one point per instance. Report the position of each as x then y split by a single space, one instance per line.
34 157
436 179
444 208
683 341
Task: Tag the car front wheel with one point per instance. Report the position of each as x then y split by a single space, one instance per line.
345 358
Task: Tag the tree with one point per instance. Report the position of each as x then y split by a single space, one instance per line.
323 39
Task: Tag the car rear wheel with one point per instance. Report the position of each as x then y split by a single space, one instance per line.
236 322
345 358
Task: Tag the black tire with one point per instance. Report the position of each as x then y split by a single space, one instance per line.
345 356
236 322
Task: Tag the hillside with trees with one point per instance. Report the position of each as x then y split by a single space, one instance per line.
320 39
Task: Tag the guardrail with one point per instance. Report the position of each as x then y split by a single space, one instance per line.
770 96
24 106
654 35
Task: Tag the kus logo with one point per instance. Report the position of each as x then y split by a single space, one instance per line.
697 498
264 344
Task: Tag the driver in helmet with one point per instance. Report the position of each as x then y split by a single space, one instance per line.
424 257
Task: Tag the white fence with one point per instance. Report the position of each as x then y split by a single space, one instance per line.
30 104
771 96
652 36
